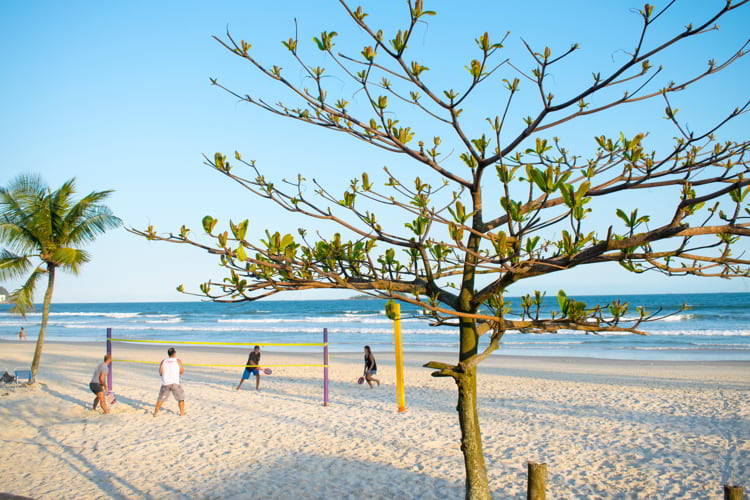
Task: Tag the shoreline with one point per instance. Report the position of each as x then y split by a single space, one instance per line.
606 429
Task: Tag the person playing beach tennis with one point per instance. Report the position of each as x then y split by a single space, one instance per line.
371 367
98 384
252 368
170 370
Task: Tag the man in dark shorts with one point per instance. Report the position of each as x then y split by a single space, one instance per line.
252 368
98 383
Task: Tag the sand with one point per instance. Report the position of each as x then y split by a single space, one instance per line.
606 429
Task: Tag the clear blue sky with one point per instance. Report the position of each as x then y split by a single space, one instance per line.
118 95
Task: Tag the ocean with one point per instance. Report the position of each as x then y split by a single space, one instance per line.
715 327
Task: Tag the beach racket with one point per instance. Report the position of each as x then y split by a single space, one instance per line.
267 371
110 398
361 380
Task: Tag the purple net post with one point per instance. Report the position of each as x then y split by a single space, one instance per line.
325 366
109 352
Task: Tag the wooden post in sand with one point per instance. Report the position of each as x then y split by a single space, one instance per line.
325 366
734 492
537 486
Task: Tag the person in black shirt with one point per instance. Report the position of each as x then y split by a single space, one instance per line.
371 367
252 368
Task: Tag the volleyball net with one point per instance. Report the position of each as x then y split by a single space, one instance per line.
324 365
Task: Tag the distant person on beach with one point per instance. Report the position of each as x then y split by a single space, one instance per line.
98 384
21 335
171 370
371 367
252 368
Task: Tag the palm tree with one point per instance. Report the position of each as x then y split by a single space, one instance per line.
38 223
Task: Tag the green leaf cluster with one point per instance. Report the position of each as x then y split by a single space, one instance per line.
618 310
369 53
239 230
459 213
576 200
399 42
688 193
571 246
498 305
418 226
325 42
506 174
209 223
527 302
417 69
570 308
291 45
632 221
484 42
738 195
540 148
348 200
278 245
501 244
513 209
418 10
549 180
221 163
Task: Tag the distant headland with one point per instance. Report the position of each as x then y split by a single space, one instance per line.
364 297
4 296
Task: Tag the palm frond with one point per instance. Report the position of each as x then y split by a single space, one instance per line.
69 259
19 238
22 204
27 185
18 204
21 198
99 220
86 207
13 266
59 206
11 205
23 298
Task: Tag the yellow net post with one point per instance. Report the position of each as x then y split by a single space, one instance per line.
395 315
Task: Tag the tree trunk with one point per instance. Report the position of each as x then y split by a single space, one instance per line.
477 485
45 316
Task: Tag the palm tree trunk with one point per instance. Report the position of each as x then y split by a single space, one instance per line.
45 315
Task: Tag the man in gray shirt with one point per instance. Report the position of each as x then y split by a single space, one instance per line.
98 383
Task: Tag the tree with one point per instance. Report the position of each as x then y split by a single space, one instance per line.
37 223
463 246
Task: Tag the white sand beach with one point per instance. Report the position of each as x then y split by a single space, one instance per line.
606 429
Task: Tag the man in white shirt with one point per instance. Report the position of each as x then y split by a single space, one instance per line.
171 370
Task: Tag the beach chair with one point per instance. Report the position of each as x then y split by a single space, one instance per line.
22 377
